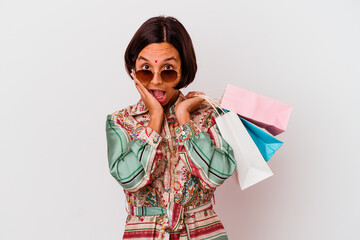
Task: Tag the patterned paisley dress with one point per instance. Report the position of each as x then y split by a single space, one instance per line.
170 177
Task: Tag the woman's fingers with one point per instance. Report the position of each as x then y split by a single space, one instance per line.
191 94
191 103
150 101
195 100
138 84
138 87
141 89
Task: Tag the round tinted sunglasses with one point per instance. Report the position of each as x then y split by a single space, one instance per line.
166 75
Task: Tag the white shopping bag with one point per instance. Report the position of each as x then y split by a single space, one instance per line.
251 167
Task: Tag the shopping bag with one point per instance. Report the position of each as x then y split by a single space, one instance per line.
262 111
265 142
251 167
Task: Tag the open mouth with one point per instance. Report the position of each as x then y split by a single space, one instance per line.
159 95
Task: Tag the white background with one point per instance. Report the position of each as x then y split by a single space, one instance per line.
62 71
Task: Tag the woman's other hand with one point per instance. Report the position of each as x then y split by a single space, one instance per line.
184 108
156 111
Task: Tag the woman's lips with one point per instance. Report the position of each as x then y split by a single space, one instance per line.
159 95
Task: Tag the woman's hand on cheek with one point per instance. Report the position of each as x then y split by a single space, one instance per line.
155 108
156 111
184 108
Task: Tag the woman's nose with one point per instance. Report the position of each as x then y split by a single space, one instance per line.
157 78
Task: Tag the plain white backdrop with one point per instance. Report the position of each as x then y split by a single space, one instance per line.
62 71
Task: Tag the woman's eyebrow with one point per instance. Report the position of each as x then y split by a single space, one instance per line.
142 58
168 59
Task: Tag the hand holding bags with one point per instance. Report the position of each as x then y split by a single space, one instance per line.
251 167
263 111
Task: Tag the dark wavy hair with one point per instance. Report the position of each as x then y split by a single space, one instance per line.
164 29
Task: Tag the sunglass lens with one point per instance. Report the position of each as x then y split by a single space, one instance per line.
169 75
144 75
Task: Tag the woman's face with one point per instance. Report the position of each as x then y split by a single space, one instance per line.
157 57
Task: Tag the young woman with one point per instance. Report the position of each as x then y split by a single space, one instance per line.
166 150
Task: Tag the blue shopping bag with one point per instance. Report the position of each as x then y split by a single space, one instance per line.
265 142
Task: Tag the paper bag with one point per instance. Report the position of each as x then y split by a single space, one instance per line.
251 167
265 142
263 111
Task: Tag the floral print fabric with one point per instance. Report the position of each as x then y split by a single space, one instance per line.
172 174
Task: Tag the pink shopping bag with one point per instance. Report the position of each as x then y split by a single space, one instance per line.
263 111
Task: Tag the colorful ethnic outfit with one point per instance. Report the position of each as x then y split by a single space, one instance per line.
170 177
